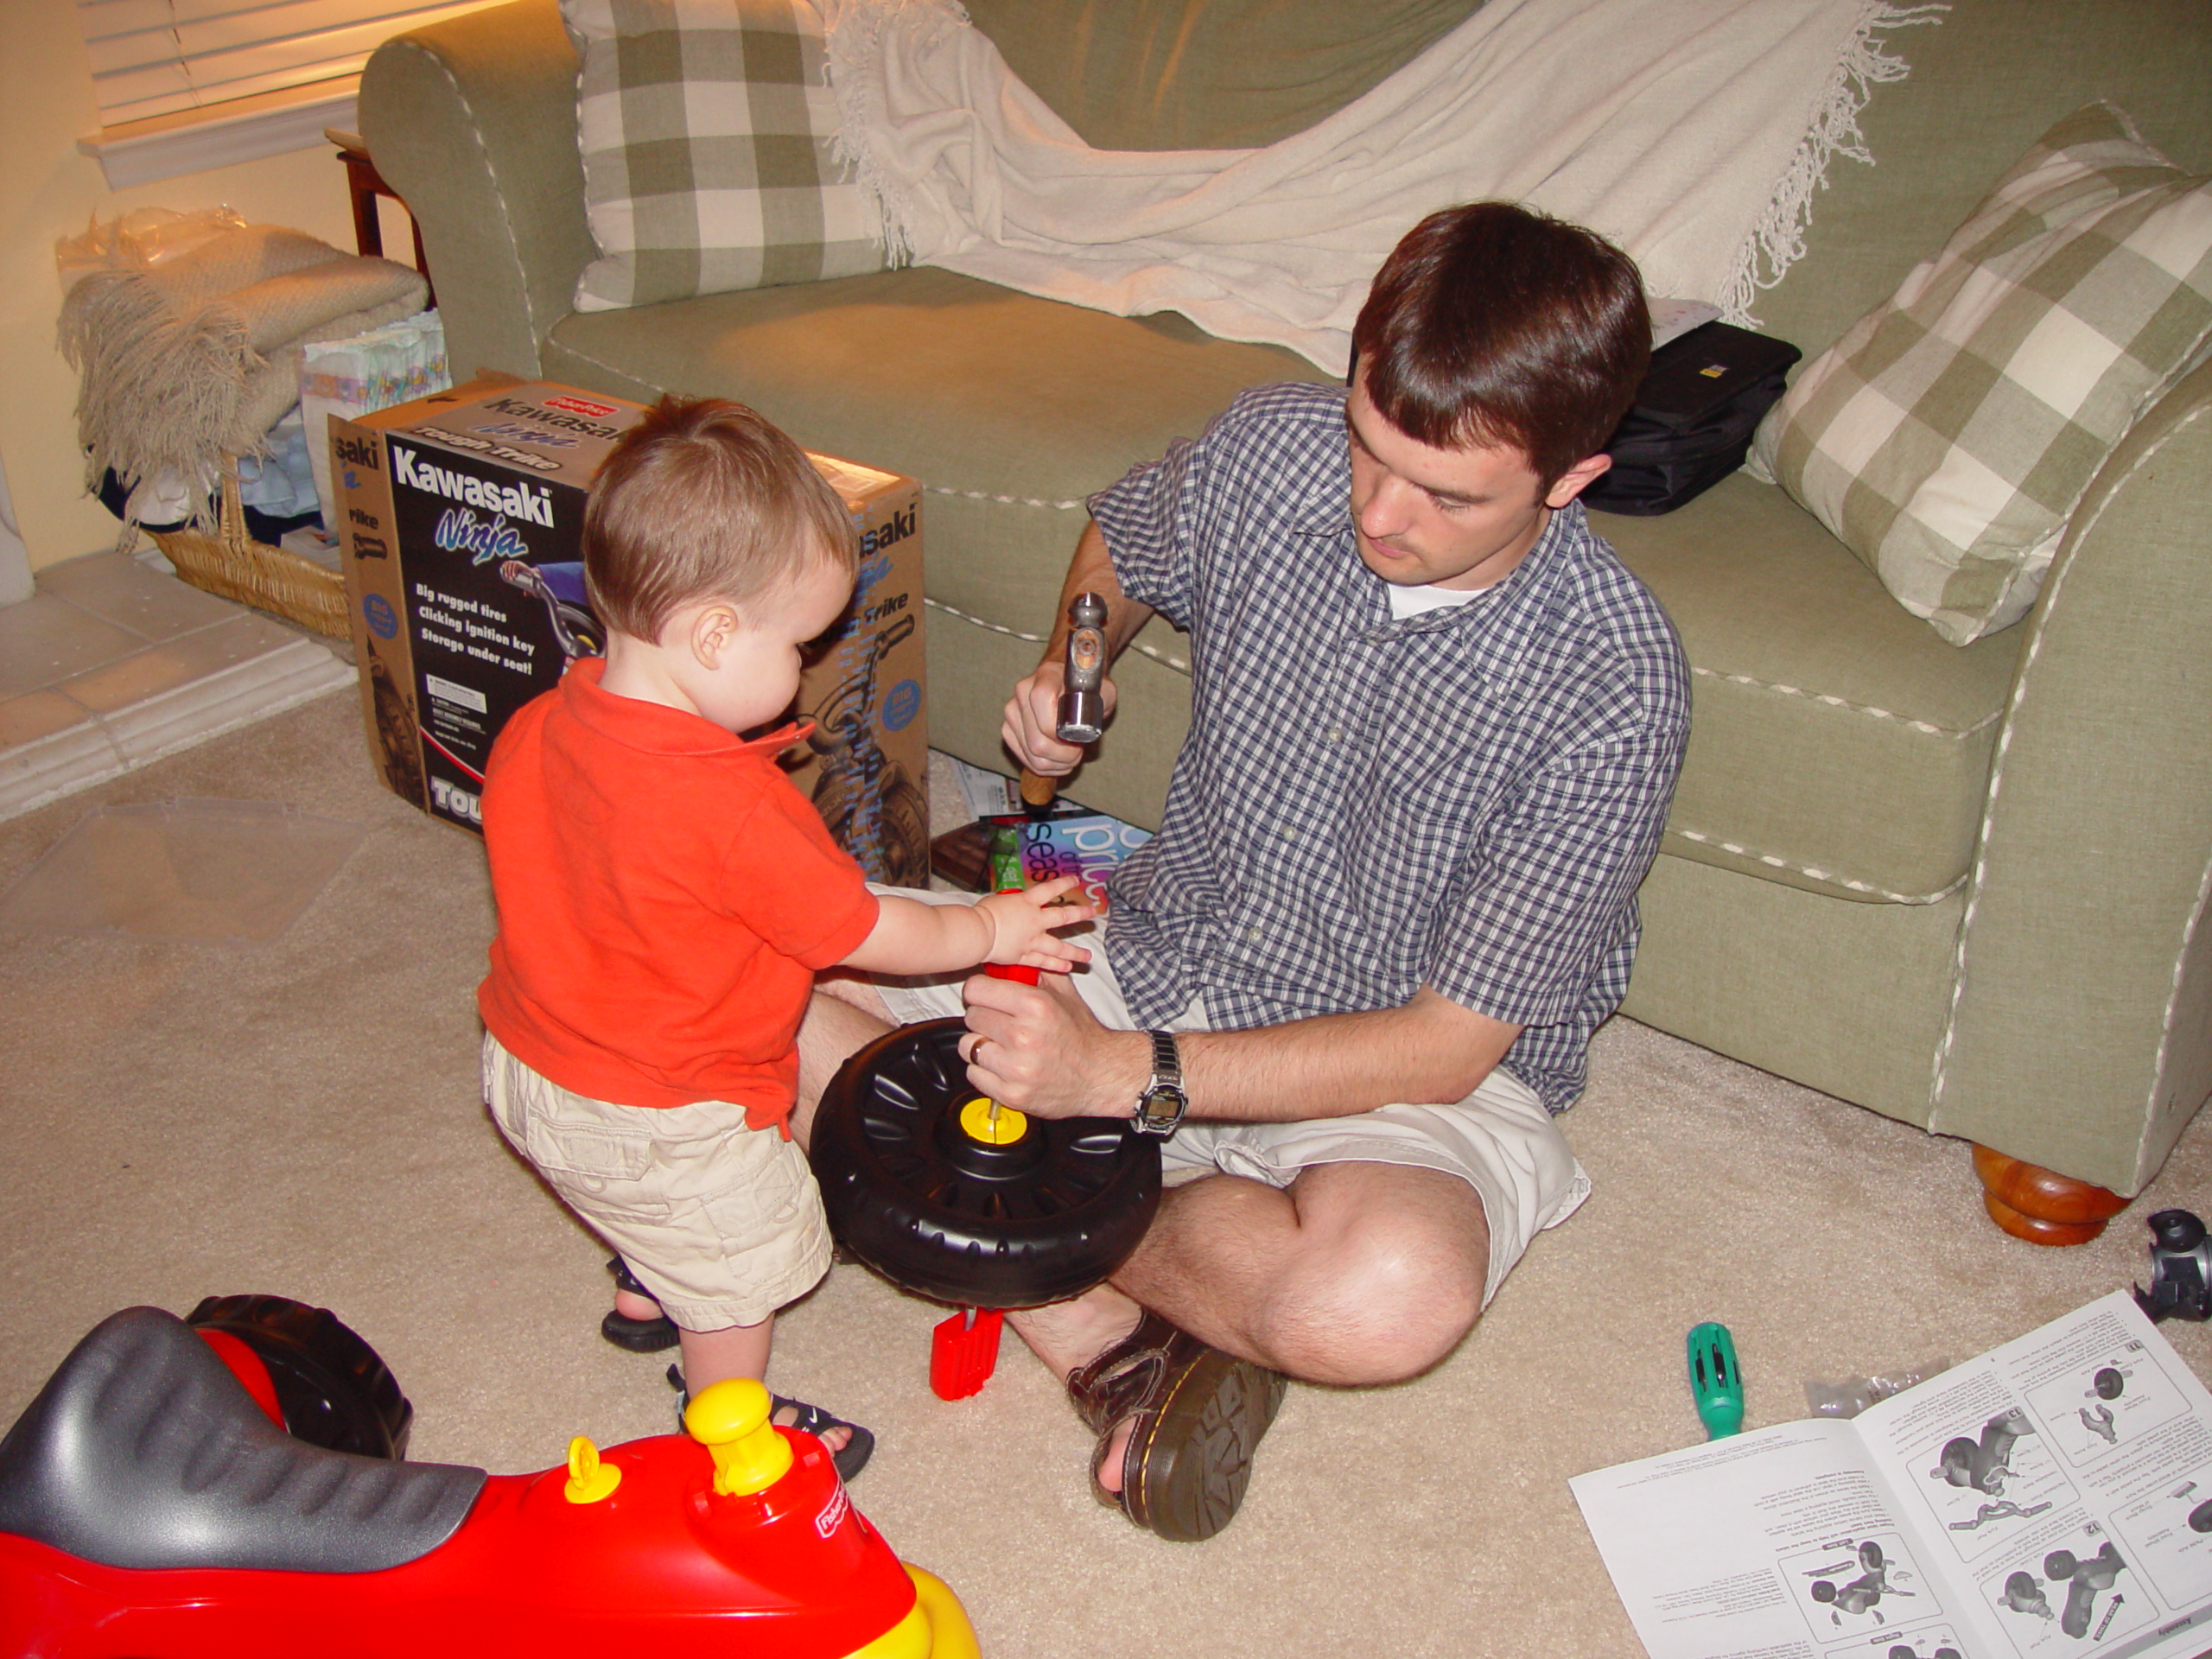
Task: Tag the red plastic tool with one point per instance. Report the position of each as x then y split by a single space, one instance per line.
964 1349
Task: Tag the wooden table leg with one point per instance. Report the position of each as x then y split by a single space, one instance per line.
2041 1205
364 184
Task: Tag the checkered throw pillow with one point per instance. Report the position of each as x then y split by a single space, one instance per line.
1949 436
705 127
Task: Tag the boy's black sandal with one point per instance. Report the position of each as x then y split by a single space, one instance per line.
639 1336
811 1419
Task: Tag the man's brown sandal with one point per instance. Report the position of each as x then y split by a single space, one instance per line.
1195 1415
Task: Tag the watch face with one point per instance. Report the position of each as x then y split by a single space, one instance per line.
1160 1109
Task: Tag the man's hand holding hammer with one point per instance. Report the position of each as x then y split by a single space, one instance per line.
1030 728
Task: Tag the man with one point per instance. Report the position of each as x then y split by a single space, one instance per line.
1435 726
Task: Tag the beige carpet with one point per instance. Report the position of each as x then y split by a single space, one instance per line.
302 1117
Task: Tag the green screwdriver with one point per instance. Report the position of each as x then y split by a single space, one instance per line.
1715 1382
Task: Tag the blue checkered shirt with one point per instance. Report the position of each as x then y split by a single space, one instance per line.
1465 799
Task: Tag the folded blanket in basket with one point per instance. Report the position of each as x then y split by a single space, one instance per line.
194 357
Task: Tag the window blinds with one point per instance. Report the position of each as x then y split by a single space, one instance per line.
157 57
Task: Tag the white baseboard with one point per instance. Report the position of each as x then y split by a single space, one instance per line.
40 772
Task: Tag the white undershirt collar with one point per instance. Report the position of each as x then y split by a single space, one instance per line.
1419 601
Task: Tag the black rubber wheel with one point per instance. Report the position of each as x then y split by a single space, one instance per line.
335 1391
941 1214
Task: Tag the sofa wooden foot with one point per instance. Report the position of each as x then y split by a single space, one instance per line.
2041 1205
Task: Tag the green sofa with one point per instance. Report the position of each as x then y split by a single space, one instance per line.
1963 887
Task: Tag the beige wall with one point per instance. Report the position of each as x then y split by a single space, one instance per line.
48 190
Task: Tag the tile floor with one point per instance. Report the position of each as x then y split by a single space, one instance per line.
112 663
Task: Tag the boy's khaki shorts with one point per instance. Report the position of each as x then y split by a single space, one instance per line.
722 1223
1500 1139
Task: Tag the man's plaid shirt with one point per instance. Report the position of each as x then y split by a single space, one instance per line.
1465 800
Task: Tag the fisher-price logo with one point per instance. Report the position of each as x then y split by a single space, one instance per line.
581 406
833 1512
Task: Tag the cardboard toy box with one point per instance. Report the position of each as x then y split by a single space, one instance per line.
462 518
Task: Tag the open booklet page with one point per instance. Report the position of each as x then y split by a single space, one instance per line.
2052 1497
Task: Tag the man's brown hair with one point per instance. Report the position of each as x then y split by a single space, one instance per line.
704 499
1491 324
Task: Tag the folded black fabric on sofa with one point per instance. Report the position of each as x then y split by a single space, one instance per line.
1691 423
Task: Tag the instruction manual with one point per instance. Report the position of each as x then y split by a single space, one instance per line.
2052 1497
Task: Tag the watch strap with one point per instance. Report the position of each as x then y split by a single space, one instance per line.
1161 1107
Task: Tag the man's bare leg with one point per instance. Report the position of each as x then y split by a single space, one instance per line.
1357 1274
1354 1273
844 1015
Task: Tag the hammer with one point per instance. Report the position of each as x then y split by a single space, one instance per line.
1082 707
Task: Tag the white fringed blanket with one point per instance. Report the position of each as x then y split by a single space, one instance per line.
194 359
1692 132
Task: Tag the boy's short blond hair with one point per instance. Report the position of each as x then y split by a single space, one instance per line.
704 499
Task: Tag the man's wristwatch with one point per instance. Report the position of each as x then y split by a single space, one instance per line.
1161 1107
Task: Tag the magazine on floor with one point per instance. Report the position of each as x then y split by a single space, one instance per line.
2052 1497
1073 840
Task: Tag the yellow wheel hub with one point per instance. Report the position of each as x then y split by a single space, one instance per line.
992 1124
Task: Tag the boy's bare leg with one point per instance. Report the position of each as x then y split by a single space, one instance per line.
741 1350
850 1015
711 1356
834 1026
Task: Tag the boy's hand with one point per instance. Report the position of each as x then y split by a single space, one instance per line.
1022 924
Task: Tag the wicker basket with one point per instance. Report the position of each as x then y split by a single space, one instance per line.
232 564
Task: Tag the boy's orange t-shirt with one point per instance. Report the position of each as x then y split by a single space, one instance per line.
665 897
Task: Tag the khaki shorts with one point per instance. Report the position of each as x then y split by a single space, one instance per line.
1501 1140
722 1223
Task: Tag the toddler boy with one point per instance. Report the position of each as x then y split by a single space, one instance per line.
666 896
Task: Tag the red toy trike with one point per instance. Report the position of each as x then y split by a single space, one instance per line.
154 1505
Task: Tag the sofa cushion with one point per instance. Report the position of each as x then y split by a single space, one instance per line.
1836 744
1946 437
1009 409
705 128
